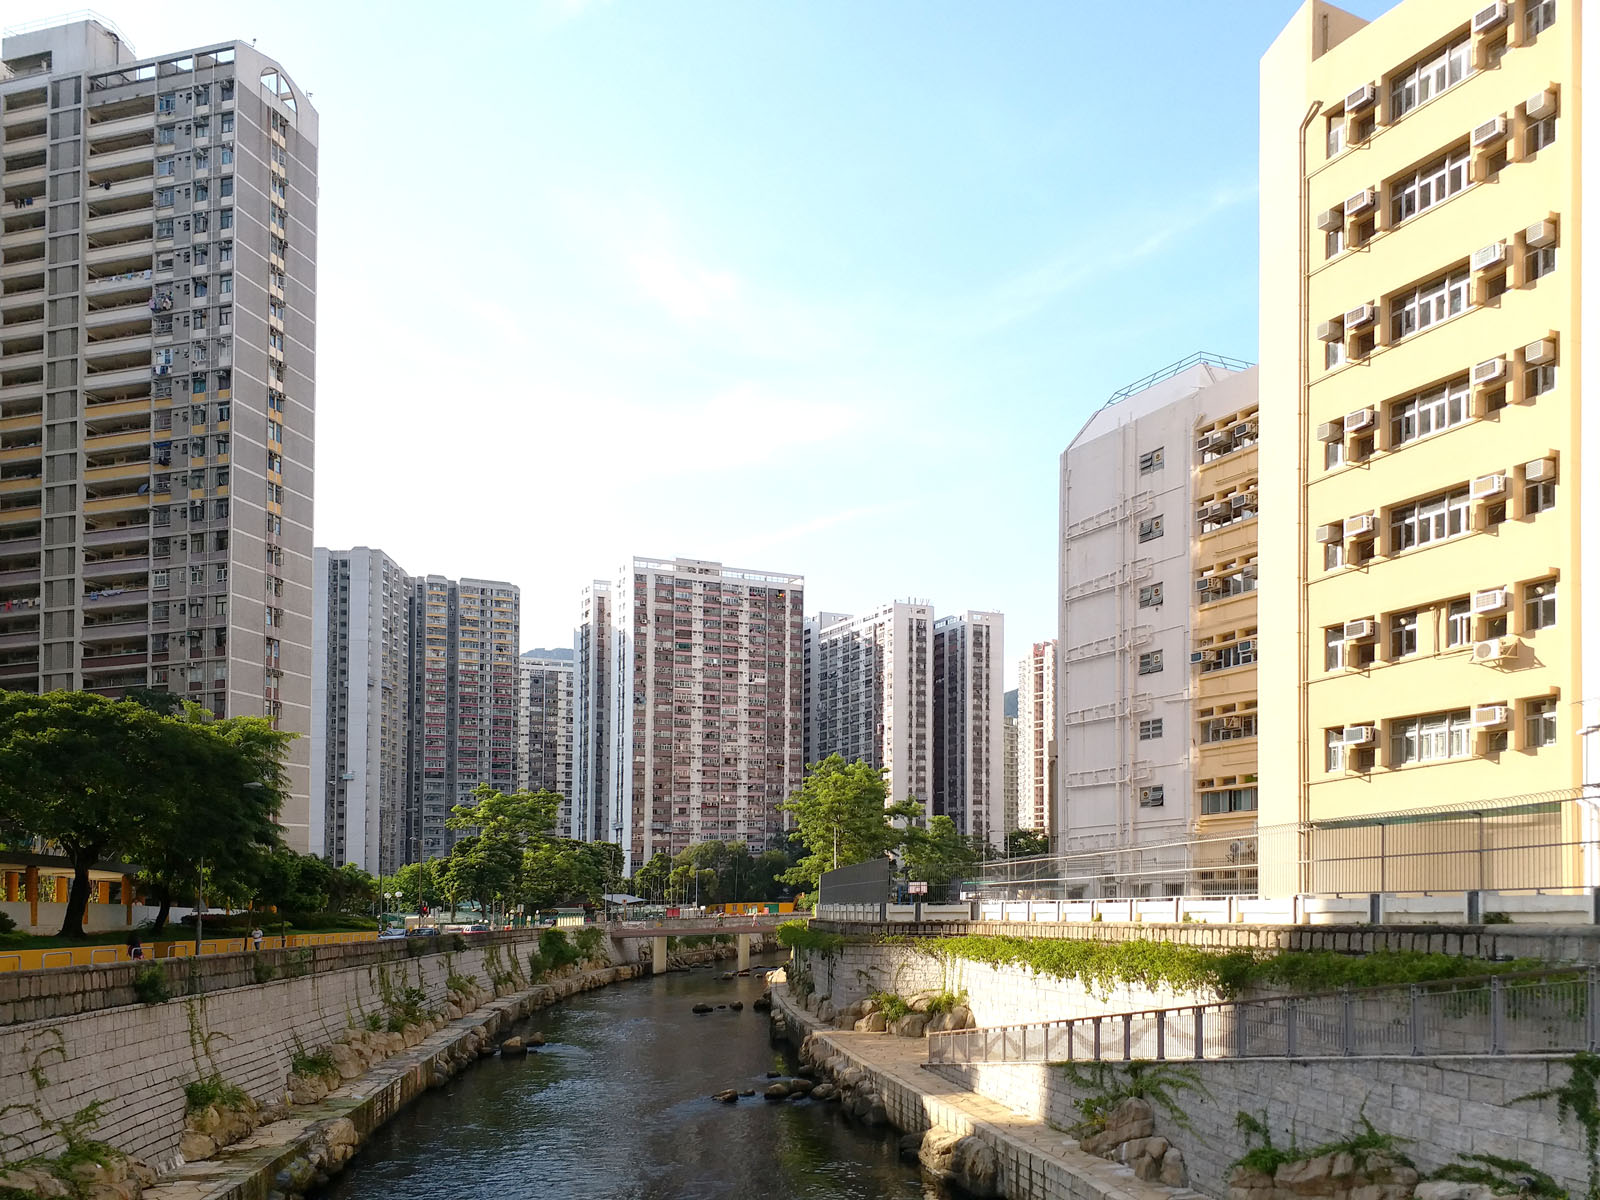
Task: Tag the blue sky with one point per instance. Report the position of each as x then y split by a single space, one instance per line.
819 287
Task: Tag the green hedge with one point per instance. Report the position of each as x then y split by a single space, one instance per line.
798 935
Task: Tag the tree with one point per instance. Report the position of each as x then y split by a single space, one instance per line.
650 881
938 855
569 872
406 882
482 869
522 819
1025 843
841 818
83 773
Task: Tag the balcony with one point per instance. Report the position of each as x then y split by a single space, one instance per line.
119 376
130 281
138 125
114 662
26 236
110 504
14 270
100 630
131 534
114 597
119 258
117 568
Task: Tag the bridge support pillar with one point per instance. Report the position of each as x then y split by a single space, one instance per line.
744 952
658 955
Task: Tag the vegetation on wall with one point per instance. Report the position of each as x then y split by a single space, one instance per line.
798 935
1105 1085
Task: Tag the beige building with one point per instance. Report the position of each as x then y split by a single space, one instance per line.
1431 500
544 728
1036 738
156 421
969 724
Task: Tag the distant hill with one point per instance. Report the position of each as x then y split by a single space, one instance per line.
562 654
1011 702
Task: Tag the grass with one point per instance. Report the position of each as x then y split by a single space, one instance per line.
798 935
309 1064
213 1090
892 1005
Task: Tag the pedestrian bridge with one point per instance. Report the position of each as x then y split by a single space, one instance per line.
742 929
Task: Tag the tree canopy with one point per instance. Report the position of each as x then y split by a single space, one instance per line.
842 817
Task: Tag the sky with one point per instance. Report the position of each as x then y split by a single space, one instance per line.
821 287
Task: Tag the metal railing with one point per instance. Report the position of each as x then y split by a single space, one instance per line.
1531 1012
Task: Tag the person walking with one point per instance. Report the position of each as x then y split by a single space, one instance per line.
135 946
256 935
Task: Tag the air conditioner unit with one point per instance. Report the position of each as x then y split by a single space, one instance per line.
1494 650
1360 315
1247 646
1491 716
1210 440
1492 255
1536 354
1540 234
1489 370
1360 525
1362 418
1243 429
1330 431
1360 631
1331 331
1359 735
1489 18
1248 571
1490 600
1242 500
1330 219
1208 583
1490 132
1359 202
1200 657
1541 105
1330 533
1540 470
1362 97
1233 722
1485 487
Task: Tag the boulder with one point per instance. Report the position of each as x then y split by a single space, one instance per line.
737 1006
727 1096
1444 1189
960 1018
34 1181
535 1038
1174 1174
513 1046
913 1024
307 1089
1309 1176
966 1161
826 1012
824 1091
701 1009
873 1022
762 1004
348 1060
1130 1119
776 1091
799 1087
911 1144
747 1092
196 1146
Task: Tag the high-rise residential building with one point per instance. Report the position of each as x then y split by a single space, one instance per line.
1010 751
704 724
1157 646
1036 738
464 643
969 723
157 367
360 708
544 727
1432 503
592 750
869 693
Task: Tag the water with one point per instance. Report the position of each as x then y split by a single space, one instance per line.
617 1107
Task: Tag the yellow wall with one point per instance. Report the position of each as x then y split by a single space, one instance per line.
1321 57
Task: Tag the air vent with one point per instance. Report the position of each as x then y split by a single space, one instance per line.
1494 650
1540 234
1540 470
1361 418
1490 370
1330 219
1491 716
1541 105
1362 525
1361 314
1491 131
1361 98
1490 600
1488 257
1485 487
1359 735
1489 18
1536 354
1360 202
1360 631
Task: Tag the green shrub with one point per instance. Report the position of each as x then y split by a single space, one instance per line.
892 1005
461 983
1361 1146
1106 1085
309 1065
7 925
374 1022
946 1001
588 940
556 950
1504 1176
203 1093
265 971
1494 918
798 935
536 966
150 985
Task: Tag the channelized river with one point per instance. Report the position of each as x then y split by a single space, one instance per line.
617 1107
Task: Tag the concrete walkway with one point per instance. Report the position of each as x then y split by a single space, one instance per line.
1037 1162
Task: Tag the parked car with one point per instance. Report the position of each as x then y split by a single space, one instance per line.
391 934
423 931
480 928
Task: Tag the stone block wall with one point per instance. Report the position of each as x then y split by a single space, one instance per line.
1445 1106
135 1058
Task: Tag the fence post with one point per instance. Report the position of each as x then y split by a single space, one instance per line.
1097 1039
1127 1036
1291 1035
1497 1016
1241 1030
1416 1020
1348 1030
1072 1040
1199 1031
1161 1034
1594 1009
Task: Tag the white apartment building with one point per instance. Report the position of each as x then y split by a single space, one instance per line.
158 250
869 693
969 723
1133 552
704 728
592 750
360 708
464 644
1011 773
1036 738
544 728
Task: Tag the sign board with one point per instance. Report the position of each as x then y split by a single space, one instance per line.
917 889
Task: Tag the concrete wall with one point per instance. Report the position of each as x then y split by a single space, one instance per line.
137 1058
1446 1106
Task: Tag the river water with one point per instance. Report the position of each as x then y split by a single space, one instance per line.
617 1107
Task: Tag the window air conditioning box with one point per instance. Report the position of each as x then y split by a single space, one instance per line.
1201 657
1360 631
1489 18
1542 105
1492 255
1540 234
1485 487
1359 735
1490 132
1244 429
1331 331
1359 202
1540 470
1244 500
1490 600
1489 370
1494 650
1362 525
1330 533
1536 354
1330 431
1361 418
1361 314
1491 716
1208 583
1362 97
1330 219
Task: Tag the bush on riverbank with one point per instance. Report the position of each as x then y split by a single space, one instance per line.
799 935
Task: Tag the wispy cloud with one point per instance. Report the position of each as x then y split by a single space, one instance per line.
686 289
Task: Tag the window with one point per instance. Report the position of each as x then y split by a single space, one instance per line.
197 575
1458 623
1333 750
1333 243
1541 15
1333 454
1539 263
1150 530
1536 381
166 166
1402 634
1150 730
1432 738
1228 655
1335 135
1152 461
158 579
1150 597
1539 604
1412 312
1332 556
222 573
1150 664
1426 79
225 286
1432 520
1429 412
226 189
227 156
1333 648
1332 354
1541 134
1228 728
1540 722
1228 800
227 122
1432 184
1539 497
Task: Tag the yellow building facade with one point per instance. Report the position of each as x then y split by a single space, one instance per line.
1421 268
